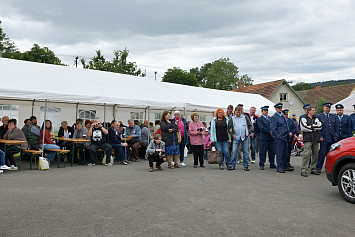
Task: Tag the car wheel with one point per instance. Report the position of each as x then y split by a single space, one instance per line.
346 182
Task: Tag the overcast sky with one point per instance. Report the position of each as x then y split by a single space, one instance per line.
297 40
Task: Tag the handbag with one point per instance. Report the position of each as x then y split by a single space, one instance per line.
178 134
214 157
43 163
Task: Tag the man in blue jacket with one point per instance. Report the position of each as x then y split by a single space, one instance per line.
328 134
342 122
133 135
352 122
266 141
281 134
293 130
116 142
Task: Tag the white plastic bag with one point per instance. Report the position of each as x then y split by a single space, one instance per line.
43 163
104 160
185 152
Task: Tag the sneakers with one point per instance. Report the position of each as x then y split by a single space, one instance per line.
91 164
246 168
150 169
182 164
172 163
304 174
12 167
221 167
4 167
1 171
159 167
238 161
123 163
253 161
109 164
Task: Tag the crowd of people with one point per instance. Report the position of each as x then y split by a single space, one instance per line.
237 135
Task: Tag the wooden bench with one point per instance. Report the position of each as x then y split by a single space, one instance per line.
34 154
60 153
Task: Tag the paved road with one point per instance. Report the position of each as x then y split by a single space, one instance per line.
130 201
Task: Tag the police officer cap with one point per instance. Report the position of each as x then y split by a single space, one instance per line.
293 114
240 105
278 105
306 106
327 104
265 107
285 111
339 106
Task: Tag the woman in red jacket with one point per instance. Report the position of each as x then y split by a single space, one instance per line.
48 144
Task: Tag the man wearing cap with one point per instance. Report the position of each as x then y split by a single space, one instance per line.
343 123
281 134
266 141
298 130
305 112
328 134
352 122
292 129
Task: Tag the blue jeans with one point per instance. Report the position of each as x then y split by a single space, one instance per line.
50 154
245 148
2 158
253 147
223 147
119 150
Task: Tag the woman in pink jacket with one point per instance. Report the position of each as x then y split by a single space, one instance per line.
196 130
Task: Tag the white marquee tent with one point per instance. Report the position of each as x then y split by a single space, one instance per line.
348 103
23 80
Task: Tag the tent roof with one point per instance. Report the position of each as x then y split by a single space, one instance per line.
348 103
29 80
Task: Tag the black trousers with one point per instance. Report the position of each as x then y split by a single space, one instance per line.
197 151
105 147
155 158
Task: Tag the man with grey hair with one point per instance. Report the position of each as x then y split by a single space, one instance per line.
98 141
3 128
133 136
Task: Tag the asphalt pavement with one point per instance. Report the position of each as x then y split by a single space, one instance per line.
130 201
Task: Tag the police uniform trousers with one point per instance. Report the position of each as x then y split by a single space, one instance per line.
281 154
269 147
323 150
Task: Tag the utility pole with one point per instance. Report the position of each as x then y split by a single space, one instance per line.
76 61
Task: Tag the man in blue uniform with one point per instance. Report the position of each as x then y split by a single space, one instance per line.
293 130
352 122
343 123
266 141
328 134
280 131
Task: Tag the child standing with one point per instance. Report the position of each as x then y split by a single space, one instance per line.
206 143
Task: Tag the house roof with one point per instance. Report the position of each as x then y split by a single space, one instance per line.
331 94
266 89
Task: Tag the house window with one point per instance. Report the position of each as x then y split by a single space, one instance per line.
202 118
53 114
157 116
87 114
283 97
10 111
137 116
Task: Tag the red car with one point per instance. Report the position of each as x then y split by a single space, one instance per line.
340 167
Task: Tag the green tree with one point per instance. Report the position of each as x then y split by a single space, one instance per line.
179 76
319 105
301 86
118 64
246 79
39 55
7 46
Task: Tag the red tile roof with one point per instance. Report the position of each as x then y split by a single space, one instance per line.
332 94
264 89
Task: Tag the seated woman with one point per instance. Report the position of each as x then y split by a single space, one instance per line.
48 144
14 133
156 152
81 132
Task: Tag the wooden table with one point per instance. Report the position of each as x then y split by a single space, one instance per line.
12 145
75 142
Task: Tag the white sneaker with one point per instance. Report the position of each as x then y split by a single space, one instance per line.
182 164
4 167
109 164
1 171
91 164
13 167
172 163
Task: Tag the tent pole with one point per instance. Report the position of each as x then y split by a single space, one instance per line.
76 111
114 112
148 124
33 106
104 115
184 112
44 126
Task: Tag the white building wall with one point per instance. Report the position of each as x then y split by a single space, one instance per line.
293 103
